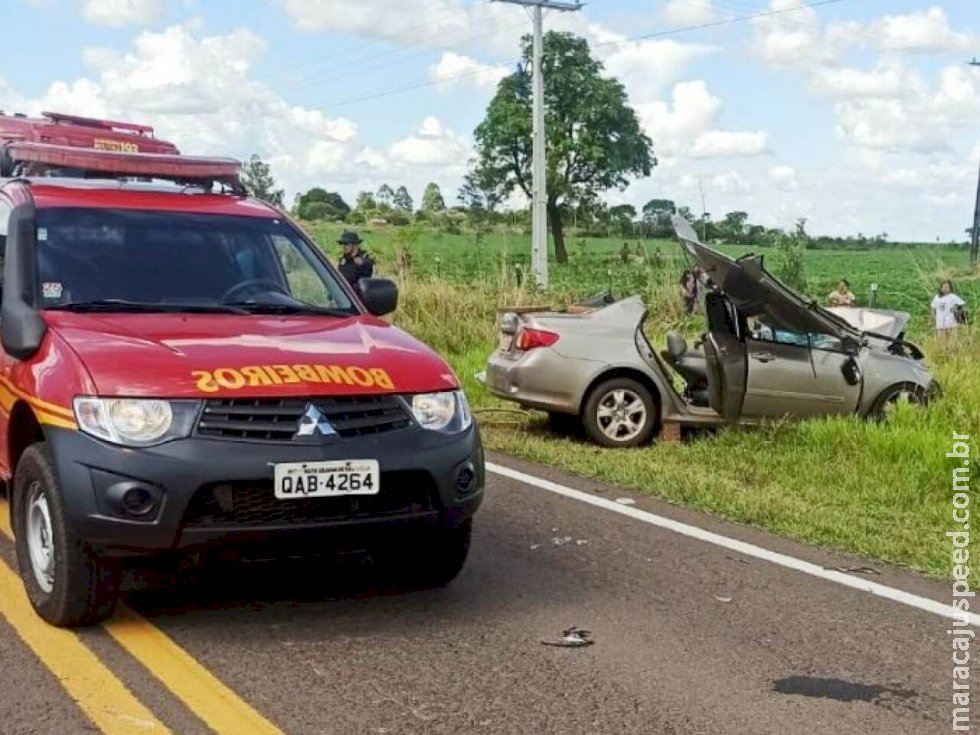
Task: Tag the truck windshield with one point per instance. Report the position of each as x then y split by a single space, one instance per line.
136 260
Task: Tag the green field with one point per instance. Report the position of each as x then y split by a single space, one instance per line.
881 491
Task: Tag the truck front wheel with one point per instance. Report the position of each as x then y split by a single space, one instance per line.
67 582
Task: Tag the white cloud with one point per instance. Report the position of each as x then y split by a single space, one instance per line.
924 32
717 143
795 38
784 178
119 13
454 70
432 145
690 126
689 12
917 118
888 80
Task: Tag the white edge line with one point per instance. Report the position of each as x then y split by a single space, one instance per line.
783 560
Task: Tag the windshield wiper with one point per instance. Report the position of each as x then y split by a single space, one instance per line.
123 305
261 307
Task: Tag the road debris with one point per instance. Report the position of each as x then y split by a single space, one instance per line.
561 541
535 546
855 570
573 637
724 599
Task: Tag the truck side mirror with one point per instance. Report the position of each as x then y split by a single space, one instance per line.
380 295
21 327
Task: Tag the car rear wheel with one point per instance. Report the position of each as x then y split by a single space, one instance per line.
906 393
620 412
67 583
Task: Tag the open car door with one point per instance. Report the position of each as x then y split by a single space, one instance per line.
724 351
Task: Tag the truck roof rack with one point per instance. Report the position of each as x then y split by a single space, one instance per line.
43 159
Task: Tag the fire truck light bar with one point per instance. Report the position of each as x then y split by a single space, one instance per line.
156 165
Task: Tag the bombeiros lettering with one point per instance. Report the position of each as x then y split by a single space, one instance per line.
252 376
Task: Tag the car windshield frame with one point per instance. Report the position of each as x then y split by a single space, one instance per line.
224 241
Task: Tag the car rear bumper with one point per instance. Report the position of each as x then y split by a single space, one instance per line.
216 490
540 380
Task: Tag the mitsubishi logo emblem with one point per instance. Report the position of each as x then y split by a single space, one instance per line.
313 421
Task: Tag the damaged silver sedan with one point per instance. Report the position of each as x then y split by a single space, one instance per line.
767 352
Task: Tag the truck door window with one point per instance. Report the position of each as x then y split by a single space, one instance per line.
303 280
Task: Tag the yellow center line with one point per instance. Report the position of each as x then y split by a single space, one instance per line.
215 704
102 697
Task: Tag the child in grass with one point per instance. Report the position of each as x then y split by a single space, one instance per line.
948 309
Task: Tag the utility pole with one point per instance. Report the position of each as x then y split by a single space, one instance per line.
975 238
539 184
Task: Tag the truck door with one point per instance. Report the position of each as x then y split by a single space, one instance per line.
724 351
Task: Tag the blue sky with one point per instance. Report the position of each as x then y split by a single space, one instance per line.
860 115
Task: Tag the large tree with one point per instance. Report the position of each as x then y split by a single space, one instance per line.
257 179
432 201
594 137
403 200
318 203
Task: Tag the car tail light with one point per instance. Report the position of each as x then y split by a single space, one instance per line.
528 339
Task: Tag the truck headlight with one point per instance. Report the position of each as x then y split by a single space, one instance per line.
448 411
135 422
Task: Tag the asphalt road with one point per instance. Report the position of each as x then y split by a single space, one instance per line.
688 638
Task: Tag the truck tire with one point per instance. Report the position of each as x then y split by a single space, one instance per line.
431 558
67 583
620 412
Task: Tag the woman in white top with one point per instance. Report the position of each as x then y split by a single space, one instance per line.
944 306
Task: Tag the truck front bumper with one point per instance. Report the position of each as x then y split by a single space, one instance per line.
217 490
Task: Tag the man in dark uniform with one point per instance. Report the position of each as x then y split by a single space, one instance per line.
355 264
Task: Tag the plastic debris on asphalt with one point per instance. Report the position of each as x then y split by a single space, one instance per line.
573 637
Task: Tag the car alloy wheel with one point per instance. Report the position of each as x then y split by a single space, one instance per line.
621 415
40 537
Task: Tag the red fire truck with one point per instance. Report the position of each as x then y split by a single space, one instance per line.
55 128
181 367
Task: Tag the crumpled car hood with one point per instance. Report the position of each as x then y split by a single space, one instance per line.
758 293
884 322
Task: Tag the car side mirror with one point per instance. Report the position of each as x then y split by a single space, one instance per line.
851 371
23 328
379 295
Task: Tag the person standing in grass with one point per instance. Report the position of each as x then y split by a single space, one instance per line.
842 296
354 264
948 309
689 291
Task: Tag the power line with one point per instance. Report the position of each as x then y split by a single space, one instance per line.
473 72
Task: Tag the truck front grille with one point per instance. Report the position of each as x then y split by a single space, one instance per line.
275 419
254 505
